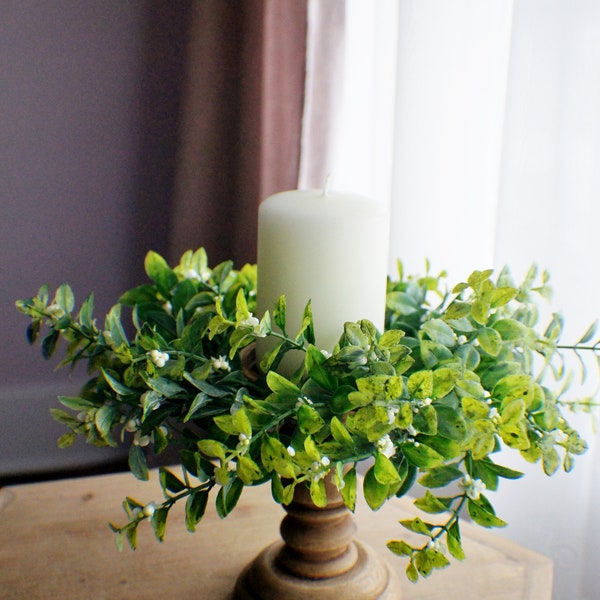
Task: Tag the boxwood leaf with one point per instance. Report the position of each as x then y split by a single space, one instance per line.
228 496
375 493
195 507
137 463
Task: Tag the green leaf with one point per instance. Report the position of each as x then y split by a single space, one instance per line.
384 470
116 385
440 476
164 386
141 294
316 371
469 355
478 278
159 439
480 311
275 457
340 433
309 420
433 353
195 507
151 401
66 440
131 535
212 448
474 408
432 504
277 383
76 402
420 384
589 334
375 493
86 311
483 517
503 295
457 310
444 380
228 496
550 461
401 303
247 470
390 339
199 402
490 340
279 316
416 525
439 332
169 482
454 542
411 572
425 420
400 547
49 343
64 298
451 423
137 463
318 493
422 456
241 422
159 522
510 330
348 491
103 419
33 331
64 417
307 330
159 271
355 335
114 327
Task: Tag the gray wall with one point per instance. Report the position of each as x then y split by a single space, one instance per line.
88 125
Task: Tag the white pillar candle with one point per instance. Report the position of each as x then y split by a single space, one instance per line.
327 247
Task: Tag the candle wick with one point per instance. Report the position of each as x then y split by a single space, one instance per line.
326 186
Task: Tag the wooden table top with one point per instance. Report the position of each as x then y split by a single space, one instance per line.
55 543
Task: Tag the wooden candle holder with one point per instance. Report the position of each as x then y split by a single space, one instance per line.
318 558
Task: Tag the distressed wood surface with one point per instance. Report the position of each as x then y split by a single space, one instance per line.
55 543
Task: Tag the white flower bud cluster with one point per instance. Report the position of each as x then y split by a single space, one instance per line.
494 415
253 323
474 487
319 469
192 274
385 446
418 404
243 443
220 364
392 411
158 358
436 544
560 437
303 400
55 311
132 425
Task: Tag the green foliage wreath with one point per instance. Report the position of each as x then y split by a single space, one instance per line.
453 378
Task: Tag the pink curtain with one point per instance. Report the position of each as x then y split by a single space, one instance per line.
241 122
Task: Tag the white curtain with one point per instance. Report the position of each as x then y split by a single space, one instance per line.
479 123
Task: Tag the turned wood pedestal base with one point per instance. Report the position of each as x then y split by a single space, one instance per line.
318 558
